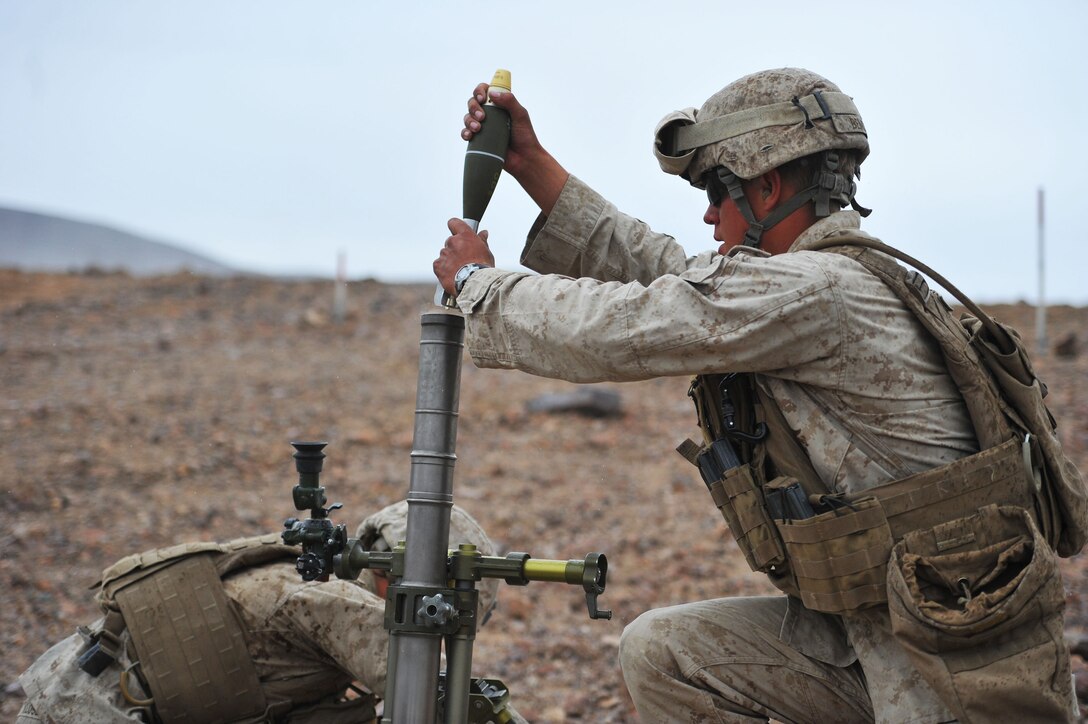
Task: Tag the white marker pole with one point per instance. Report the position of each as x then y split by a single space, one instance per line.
1040 306
340 288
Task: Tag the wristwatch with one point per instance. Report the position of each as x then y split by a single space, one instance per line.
464 273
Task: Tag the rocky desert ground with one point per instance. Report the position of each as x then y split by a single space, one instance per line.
139 412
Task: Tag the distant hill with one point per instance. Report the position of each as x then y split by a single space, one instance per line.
40 242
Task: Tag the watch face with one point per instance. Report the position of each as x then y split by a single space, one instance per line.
462 276
464 273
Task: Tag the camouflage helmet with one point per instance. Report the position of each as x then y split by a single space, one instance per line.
758 123
384 529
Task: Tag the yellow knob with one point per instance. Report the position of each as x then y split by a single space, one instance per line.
500 82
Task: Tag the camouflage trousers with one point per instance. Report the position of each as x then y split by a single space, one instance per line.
57 690
732 660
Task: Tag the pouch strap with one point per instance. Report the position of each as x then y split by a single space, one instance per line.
103 645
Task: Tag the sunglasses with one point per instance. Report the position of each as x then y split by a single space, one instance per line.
716 189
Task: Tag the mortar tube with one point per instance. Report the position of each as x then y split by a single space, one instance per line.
417 656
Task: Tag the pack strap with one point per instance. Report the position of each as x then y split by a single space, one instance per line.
783 447
104 645
998 334
991 367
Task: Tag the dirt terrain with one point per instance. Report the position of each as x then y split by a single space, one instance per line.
135 413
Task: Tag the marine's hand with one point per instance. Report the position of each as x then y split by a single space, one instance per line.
524 144
526 160
464 247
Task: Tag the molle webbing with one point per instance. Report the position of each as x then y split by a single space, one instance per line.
740 500
836 561
191 645
839 558
998 475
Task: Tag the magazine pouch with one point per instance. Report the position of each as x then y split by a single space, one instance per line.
740 501
977 604
839 558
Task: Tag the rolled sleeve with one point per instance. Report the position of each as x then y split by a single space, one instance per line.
556 243
586 236
617 301
702 319
346 622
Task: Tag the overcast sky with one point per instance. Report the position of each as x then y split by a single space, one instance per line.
273 135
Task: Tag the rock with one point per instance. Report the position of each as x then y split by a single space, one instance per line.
1066 347
588 401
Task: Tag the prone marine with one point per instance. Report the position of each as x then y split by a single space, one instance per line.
270 646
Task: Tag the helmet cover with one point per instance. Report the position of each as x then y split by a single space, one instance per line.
758 123
390 524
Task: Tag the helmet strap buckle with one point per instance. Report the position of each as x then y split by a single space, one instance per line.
736 192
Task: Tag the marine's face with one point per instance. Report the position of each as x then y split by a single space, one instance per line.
729 225
381 582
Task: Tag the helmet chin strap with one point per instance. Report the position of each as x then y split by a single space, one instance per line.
827 185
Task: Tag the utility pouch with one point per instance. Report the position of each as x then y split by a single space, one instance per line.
740 501
977 605
839 558
998 475
191 644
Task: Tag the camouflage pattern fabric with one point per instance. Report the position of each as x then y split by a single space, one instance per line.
307 639
391 525
302 636
754 153
850 367
58 692
760 122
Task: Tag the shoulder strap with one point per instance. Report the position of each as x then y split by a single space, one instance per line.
980 395
783 448
996 331
244 553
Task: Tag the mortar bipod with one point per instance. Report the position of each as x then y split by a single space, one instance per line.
466 566
432 598
453 612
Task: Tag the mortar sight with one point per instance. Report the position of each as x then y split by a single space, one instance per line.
308 494
321 541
